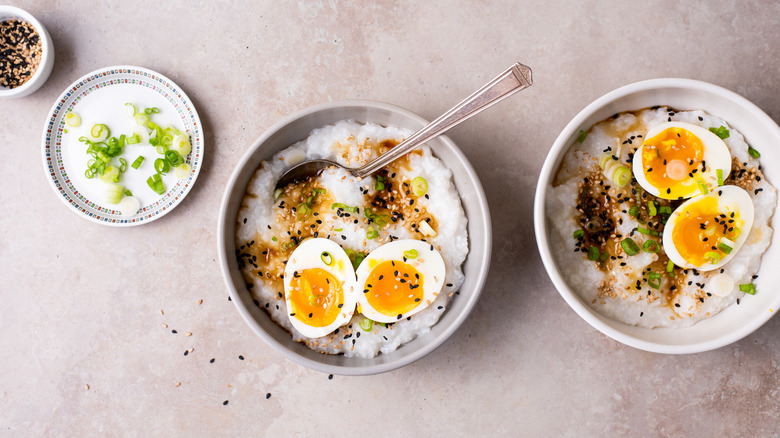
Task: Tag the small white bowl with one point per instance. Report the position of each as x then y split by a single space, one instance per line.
297 127
47 53
760 131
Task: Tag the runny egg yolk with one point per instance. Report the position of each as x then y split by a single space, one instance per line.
700 228
670 159
394 288
316 297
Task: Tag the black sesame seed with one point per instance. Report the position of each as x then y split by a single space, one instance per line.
240 357
224 403
212 360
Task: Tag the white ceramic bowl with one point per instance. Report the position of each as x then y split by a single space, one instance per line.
760 131
297 127
47 53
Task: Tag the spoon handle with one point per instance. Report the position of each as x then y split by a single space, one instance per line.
515 78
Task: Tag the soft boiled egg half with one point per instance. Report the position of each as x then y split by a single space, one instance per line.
706 231
399 279
319 287
678 160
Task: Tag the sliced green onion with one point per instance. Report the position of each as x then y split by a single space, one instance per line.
181 144
652 211
147 111
274 238
419 186
327 258
753 153
629 246
128 192
155 183
338 230
99 132
339 205
712 257
651 246
579 234
702 187
90 173
182 170
669 266
161 165
278 193
355 257
748 288
581 136
137 163
110 175
721 132
130 108
122 165
719 173
366 324
603 257
114 193
134 139
155 110
379 184
141 119
648 231
411 254
633 211
665 209
726 245
72 119
654 280
302 211
621 176
372 234
593 253
174 158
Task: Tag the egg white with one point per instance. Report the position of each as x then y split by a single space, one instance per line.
730 198
716 155
428 263
308 255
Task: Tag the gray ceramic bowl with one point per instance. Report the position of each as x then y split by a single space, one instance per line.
297 127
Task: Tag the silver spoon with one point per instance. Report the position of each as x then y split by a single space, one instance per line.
515 78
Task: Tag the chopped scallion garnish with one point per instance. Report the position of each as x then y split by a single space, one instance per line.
411 254
340 206
669 266
419 186
633 211
327 258
629 246
654 280
702 187
372 234
137 163
579 234
712 257
581 136
721 132
719 173
753 153
366 324
748 288
652 211
593 253
648 231
651 246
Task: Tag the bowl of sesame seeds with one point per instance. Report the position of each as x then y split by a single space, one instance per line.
754 301
26 53
353 348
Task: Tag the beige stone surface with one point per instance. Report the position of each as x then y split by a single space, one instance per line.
82 342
